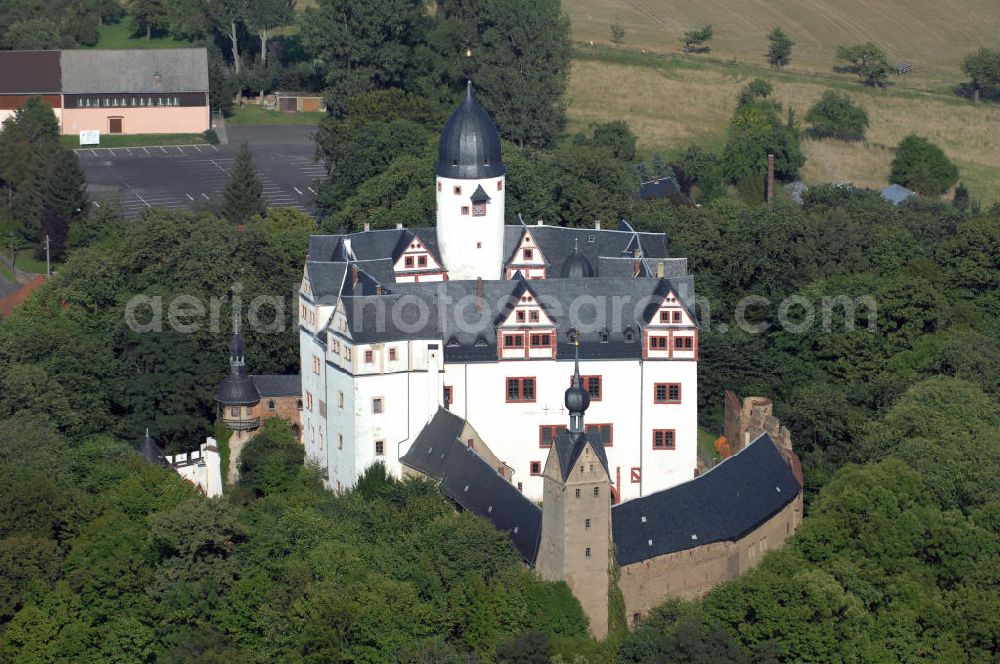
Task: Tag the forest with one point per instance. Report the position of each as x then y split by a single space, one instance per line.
104 557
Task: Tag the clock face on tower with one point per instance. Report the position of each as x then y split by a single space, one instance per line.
479 209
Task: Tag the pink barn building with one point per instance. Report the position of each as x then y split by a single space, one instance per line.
112 91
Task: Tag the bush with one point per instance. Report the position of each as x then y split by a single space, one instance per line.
836 116
211 137
923 167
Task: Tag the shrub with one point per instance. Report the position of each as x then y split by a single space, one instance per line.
923 167
211 137
836 116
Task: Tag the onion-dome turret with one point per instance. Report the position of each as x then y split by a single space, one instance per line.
469 147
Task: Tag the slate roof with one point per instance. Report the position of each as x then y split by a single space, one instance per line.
133 70
30 72
151 452
569 447
557 244
660 188
469 147
379 244
237 389
326 280
470 481
724 504
447 310
274 385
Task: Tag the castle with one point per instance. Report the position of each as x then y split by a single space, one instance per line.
481 317
444 351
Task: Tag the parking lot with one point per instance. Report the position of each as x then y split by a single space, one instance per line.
190 176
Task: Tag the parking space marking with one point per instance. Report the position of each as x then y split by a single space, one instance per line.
163 149
205 196
190 197
312 190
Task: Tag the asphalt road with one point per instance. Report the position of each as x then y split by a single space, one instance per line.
187 177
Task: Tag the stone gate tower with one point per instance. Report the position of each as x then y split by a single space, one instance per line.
576 513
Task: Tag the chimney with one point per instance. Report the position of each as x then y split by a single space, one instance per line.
770 179
378 289
368 227
399 226
597 225
661 269
354 275
479 293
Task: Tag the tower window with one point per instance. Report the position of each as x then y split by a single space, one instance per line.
499 185
536 467
597 491
447 397
458 191
587 553
465 209
340 441
586 524
377 405
379 448
439 186
577 493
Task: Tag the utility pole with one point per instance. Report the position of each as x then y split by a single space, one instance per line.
48 263
10 236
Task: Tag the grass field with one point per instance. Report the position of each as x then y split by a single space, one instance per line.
254 115
672 102
120 35
137 140
932 35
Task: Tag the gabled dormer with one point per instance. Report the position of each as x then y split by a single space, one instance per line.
527 259
414 261
671 331
524 328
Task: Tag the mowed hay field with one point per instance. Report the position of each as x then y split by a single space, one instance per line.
932 35
671 104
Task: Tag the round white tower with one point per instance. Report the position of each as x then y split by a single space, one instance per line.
471 185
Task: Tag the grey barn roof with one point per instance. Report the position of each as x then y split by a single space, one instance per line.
134 70
724 504
470 481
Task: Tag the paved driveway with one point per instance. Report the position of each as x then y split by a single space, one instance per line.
184 177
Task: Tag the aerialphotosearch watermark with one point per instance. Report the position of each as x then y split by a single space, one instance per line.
446 309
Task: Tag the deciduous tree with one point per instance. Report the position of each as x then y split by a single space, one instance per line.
779 50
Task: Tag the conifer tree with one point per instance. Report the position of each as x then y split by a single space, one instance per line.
244 195
66 190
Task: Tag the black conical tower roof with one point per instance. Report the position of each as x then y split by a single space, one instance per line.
470 143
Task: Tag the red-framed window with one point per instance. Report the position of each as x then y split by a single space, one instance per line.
536 468
447 396
521 389
547 433
408 261
533 316
541 340
369 357
667 393
379 448
636 475
499 185
529 254
421 261
520 315
606 431
677 317
664 316
513 341
458 191
465 209
658 343
683 343
392 354
664 439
